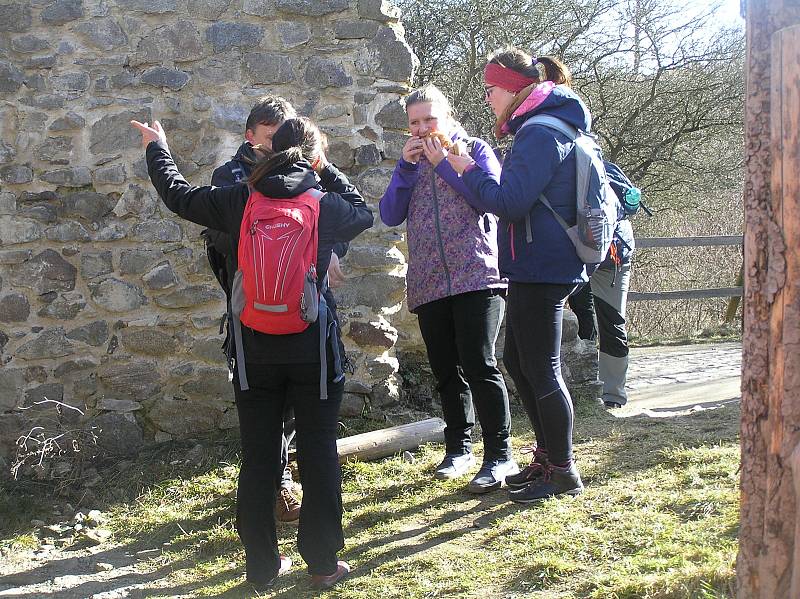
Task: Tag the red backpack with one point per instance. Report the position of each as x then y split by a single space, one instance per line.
278 242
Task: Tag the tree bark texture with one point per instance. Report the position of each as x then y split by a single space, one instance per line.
768 564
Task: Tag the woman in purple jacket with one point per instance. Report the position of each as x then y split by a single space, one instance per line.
454 286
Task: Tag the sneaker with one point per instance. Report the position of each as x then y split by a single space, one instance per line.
492 475
612 405
556 480
454 466
318 581
530 472
286 564
287 506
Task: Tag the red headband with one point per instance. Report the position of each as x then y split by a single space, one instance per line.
508 79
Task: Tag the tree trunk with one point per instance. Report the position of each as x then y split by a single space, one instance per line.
768 564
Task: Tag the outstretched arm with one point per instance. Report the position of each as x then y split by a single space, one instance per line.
213 207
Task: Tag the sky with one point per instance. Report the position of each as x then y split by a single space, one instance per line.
728 11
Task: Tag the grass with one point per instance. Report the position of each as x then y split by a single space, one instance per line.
659 518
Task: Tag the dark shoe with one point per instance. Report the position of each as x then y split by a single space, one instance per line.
318 581
531 472
287 506
556 480
454 466
286 564
612 405
491 475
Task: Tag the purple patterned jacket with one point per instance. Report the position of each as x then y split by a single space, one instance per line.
452 247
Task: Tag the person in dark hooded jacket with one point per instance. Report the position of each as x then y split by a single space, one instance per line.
281 369
536 255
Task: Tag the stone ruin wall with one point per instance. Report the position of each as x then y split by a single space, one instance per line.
106 299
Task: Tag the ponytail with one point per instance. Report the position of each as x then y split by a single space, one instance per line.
270 164
555 70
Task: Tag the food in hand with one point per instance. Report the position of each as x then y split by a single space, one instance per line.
443 139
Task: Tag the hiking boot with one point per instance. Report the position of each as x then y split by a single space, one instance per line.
287 506
612 405
556 480
454 466
530 472
286 564
318 581
491 475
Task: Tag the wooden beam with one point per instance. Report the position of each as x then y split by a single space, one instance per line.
389 441
640 296
676 242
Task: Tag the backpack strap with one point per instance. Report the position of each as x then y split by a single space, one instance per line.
237 305
553 122
572 133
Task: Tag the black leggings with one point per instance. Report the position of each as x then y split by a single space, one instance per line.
532 356
273 387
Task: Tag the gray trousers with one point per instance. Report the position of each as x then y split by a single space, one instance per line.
610 291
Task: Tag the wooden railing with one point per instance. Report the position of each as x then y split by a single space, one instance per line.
671 242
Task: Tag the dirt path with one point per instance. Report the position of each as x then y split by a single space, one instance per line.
666 381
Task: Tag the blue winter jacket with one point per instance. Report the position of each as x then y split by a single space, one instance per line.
541 160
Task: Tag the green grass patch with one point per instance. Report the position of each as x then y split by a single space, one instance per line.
659 519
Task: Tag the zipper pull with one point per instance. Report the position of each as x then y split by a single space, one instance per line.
253 227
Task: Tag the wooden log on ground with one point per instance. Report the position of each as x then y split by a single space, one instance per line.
389 441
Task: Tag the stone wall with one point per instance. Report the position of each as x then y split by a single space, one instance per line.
106 300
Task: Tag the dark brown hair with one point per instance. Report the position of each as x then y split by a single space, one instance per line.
269 110
295 140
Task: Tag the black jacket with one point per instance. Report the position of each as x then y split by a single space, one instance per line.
343 215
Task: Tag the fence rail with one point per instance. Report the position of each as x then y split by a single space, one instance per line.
668 242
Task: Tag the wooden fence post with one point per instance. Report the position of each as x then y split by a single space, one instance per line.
768 564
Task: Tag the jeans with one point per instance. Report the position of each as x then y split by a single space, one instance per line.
273 387
460 332
532 356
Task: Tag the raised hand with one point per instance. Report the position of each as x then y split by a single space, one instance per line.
154 133
413 150
434 151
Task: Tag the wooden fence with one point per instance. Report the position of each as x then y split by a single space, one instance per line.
671 242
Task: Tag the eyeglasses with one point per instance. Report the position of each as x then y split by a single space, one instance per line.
488 91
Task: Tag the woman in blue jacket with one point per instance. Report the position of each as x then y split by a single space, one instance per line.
536 255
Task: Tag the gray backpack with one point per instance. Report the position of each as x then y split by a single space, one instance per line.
597 205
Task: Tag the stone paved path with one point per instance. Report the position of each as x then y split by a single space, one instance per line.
665 381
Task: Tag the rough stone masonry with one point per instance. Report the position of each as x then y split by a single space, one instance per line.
106 299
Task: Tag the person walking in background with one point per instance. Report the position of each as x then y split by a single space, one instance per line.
301 369
454 286
606 296
536 254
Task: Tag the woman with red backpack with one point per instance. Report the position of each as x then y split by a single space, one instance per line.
283 323
536 254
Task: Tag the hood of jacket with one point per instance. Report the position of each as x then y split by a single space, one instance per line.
562 103
288 181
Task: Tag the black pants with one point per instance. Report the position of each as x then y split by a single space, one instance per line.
533 358
582 304
460 332
261 410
